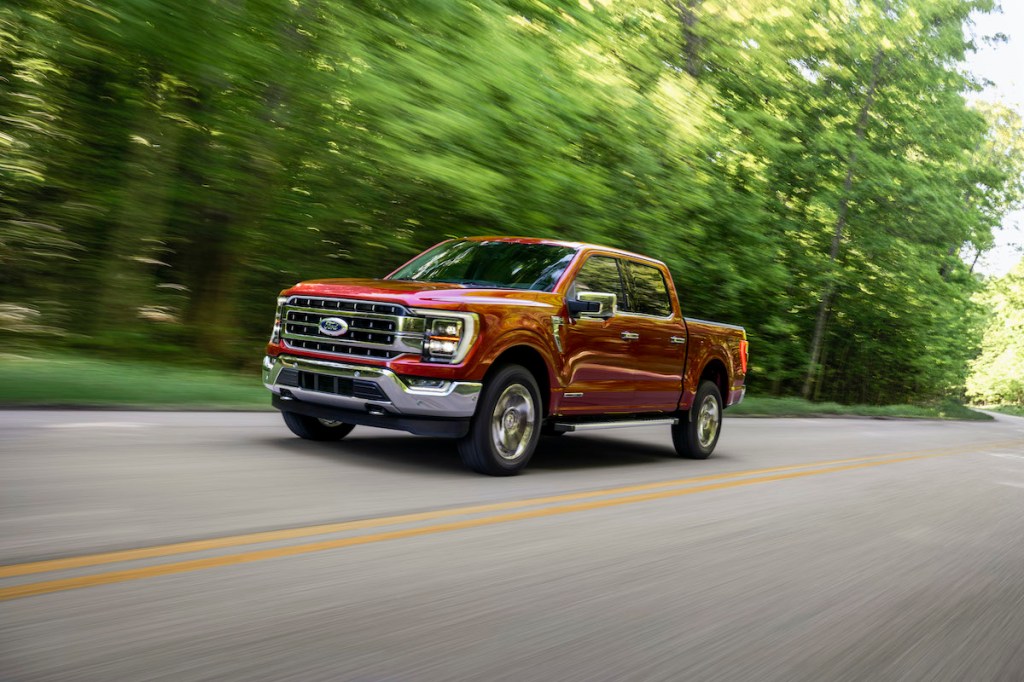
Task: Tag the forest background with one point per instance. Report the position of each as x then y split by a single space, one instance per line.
815 170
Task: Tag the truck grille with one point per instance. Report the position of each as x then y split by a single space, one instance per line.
374 330
325 383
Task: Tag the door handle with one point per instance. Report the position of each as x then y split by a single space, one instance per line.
678 339
630 336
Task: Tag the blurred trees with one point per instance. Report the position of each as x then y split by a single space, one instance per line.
807 168
997 375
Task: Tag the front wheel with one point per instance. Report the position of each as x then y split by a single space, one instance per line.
312 428
505 430
695 437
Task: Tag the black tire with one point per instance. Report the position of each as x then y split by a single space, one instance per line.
312 428
696 434
506 428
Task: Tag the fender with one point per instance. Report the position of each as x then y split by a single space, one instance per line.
520 338
705 353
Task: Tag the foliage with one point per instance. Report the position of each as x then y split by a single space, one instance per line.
64 379
798 407
807 168
55 378
997 375
1013 410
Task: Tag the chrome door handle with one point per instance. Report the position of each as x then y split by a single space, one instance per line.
630 336
678 339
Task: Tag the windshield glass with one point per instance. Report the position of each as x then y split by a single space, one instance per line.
500 265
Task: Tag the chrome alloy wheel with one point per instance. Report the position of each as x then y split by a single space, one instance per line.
708 419
512 422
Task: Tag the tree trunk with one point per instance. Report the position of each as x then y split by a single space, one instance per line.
947 265
837 234
143 205
686 10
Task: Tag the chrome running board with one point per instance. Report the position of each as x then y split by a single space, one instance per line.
563 427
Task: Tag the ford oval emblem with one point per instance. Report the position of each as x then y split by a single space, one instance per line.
333 326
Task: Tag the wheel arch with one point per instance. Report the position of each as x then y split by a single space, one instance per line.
715 370
533 361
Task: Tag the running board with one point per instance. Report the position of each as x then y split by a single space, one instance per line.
563 427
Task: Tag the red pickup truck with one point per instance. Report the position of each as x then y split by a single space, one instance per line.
496 341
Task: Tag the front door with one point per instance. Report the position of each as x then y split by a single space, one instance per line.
598 366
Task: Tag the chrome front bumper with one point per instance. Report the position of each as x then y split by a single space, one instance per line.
453 399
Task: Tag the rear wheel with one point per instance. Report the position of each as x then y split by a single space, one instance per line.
312 428
505 430
697 436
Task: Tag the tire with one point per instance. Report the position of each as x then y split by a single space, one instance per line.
312 428
506 428
696 434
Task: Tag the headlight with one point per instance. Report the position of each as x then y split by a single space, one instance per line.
448 336
275 333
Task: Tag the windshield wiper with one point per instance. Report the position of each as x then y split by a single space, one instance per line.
470 283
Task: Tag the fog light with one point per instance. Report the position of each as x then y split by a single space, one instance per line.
423 382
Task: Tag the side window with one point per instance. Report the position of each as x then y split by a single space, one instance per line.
600 273
648 294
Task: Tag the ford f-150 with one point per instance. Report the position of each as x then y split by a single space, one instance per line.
496 341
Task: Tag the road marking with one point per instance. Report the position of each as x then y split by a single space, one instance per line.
1006 455
46 587
36 518
98 425
224 542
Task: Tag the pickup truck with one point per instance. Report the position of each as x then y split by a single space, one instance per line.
497 341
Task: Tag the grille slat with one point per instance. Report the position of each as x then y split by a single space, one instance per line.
347 305
341 386
372 327
304 320
361 337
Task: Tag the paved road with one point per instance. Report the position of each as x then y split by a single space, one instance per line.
196 546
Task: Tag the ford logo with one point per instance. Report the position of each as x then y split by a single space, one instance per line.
333 326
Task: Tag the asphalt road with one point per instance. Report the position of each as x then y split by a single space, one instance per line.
202 546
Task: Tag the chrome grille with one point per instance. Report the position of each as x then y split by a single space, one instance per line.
375 330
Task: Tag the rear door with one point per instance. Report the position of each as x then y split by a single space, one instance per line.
658 336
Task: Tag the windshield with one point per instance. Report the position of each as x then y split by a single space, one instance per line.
499 265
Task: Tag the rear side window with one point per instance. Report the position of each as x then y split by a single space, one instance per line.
600 273
648 294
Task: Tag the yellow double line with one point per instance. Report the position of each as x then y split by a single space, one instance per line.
563 504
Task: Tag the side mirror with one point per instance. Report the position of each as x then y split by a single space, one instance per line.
593 304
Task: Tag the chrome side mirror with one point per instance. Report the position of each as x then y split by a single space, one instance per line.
605 304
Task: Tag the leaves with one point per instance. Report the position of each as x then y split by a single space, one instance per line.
193 159
997 374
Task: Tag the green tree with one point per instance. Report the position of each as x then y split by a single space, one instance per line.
997 375
807 168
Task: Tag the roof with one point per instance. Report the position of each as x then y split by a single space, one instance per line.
558 242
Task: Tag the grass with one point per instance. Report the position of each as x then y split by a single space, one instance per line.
797 407
67 380
1015 410
63 379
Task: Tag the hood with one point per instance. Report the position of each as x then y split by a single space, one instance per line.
417 293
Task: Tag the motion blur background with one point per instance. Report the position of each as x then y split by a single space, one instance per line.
823 172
